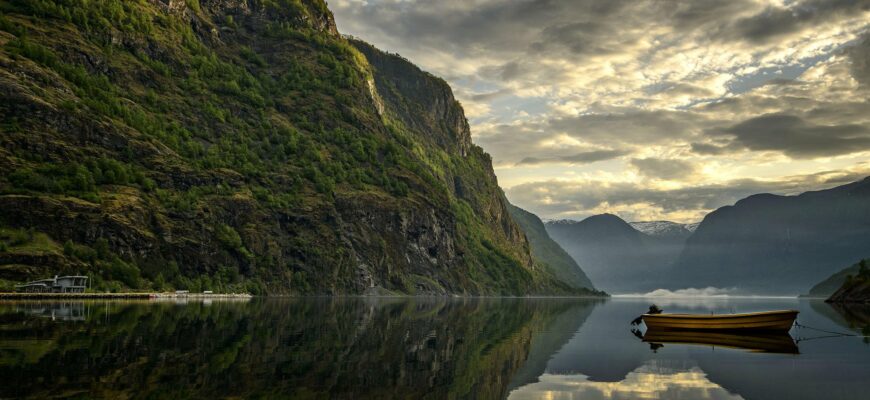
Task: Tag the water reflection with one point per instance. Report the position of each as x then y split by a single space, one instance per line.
55 310
605 359
653 380
412 348
757 342
320 348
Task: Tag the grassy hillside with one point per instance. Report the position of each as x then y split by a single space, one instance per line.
238 145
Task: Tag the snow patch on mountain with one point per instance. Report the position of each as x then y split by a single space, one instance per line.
661 228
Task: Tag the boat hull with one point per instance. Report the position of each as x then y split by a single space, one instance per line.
768 321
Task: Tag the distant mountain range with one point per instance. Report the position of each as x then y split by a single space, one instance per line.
778 244
766 243
618 256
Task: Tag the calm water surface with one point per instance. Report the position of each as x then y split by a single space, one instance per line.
417 348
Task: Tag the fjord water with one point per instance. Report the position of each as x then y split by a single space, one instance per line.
411 348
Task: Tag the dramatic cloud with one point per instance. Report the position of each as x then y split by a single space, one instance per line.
637 201
666 109
777 20
579 158
664 169
798 138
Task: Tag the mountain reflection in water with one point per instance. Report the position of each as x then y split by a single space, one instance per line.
353 348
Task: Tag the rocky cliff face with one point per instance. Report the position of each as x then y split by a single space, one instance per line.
426 106
240 145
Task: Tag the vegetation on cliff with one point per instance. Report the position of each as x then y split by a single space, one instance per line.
547 251
827 287
855 288
239 145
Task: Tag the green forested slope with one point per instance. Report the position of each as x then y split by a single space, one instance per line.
548 251
239 145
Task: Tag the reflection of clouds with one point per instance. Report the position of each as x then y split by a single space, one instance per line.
649 381
690 292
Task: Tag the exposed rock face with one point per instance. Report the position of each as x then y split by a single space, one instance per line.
422 101
425 104
244 145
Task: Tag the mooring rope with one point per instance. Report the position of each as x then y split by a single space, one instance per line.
832 333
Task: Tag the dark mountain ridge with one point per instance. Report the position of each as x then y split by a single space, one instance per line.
617 257
778 244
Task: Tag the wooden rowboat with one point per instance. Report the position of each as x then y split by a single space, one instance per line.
768 321
758 342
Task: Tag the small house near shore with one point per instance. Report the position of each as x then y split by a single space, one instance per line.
58 284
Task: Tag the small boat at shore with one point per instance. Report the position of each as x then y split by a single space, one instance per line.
767 321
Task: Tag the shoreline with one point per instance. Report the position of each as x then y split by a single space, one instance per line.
131 295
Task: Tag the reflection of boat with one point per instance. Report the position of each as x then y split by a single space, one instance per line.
755 342
779 321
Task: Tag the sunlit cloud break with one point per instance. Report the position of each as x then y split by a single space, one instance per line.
640 97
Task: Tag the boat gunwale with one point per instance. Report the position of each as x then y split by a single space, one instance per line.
722 316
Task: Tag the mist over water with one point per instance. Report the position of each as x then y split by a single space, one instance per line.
435 348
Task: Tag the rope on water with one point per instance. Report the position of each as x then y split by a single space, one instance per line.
825 331
832 334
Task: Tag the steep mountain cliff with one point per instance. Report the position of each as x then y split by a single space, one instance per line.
239 145
547 251
778 244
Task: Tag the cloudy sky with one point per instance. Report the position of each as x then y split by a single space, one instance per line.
645 109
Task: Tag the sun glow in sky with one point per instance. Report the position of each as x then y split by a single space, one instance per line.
646 109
